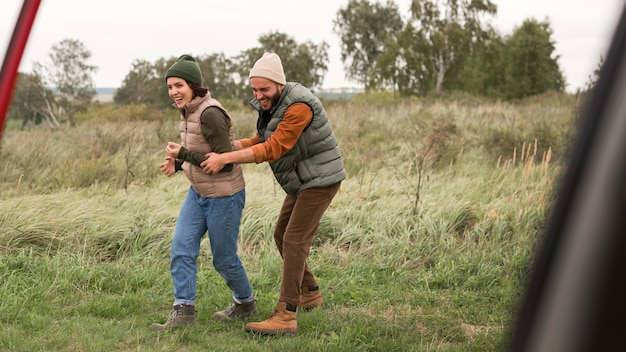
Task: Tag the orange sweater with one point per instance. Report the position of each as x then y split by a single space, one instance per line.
296 118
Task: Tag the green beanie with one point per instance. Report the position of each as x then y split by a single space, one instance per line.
187 68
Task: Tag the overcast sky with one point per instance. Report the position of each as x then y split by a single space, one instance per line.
118 32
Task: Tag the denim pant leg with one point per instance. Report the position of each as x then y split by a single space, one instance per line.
190 227
223 219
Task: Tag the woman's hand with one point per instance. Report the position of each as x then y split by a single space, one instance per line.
172 149
168 167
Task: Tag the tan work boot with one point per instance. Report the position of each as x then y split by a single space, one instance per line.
311 298
180 316
282 321
237 310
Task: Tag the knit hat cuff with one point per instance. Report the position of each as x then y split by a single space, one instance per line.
269 74
191 77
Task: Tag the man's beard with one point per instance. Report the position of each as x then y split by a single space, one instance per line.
274 102
275 99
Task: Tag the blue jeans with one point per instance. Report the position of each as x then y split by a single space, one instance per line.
221 217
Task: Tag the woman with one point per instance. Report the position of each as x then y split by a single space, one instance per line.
214 202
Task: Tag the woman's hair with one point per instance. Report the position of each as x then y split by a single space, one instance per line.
198 90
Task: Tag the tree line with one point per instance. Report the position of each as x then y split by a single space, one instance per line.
436 46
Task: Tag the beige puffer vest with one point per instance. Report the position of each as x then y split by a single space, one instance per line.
221 184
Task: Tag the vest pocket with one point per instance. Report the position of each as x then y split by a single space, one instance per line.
295 168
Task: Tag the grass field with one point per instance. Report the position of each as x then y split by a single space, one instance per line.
426 247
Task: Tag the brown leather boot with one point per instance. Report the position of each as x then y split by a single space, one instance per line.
311 298
282 321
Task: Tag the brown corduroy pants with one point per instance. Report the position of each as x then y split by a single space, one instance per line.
296 226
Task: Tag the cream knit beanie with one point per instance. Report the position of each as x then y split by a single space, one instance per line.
269 66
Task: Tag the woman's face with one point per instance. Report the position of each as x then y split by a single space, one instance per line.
179 91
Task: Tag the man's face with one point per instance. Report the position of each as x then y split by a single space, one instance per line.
266 91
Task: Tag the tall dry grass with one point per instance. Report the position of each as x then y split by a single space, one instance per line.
426 247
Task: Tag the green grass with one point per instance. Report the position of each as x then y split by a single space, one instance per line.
426 247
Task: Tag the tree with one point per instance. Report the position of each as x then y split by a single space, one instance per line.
364 30
402 66
218 73
305 63
452 29
531 66
30 102
483 72
161 66
227 78
144 84
136 86
70 74
593 79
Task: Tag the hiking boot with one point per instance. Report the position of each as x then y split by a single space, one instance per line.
180 316
311 298
237 310
282 321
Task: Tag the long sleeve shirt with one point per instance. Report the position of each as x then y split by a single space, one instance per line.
296 118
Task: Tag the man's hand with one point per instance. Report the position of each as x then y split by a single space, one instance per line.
168 167
213 164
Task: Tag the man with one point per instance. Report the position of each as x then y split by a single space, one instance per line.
296 138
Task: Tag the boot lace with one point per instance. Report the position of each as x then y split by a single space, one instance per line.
230 310
174 313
